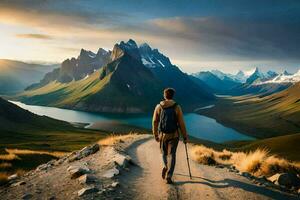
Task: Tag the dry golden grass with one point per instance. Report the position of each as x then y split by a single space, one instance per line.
9 157
258 162
57 154
3 178
5 165
115 139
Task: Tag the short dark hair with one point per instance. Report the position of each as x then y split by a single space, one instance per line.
169 93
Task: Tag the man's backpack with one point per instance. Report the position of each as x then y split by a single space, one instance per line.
168 120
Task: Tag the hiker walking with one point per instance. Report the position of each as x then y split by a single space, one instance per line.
166 123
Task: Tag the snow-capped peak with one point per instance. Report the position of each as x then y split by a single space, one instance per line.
250 72
285 77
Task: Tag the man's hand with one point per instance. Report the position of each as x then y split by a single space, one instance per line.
156 138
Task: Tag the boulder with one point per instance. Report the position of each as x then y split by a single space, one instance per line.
288 180
274 178
43 167
76 171
87 179
13 177
122 160
261 179
18 183
115 184
87 190
27 196
246 174
86 151
111 173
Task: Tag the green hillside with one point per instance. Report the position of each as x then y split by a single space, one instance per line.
273 115
285 146
123 85
24 130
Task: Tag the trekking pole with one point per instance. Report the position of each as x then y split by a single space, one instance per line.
187 158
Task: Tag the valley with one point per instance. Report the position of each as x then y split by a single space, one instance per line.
261 117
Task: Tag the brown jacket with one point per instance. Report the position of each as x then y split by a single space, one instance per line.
156 116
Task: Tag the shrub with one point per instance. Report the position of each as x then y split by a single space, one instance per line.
258 162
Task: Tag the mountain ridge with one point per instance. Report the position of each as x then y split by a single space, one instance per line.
123 85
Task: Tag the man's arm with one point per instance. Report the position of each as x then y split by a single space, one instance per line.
155 121
181 123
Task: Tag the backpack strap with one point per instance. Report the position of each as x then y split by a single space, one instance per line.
173 106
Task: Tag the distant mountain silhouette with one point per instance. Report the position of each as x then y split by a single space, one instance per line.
15 76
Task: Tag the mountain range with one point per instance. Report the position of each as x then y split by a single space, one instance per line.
15 76
254 81
128 79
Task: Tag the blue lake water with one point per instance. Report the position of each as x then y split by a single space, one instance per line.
198 126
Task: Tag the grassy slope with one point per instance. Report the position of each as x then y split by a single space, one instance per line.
21 129
60 94
119 89
274 115
285 146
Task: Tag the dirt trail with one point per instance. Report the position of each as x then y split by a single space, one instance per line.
145 182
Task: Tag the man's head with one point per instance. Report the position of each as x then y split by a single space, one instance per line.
169 93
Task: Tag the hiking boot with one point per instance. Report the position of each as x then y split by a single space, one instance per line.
169 180
163 173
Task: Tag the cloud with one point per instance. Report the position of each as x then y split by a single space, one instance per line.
207 32
34 36
239 38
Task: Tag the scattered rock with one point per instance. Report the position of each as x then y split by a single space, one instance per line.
246 174
87 179
288 180
261 179
27 196
18 183
77 171
87 190
86 151
43 167
102 191
115 184
122 160
111 173
274 178
13 177
219 166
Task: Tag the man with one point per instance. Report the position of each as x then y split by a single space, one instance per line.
167 119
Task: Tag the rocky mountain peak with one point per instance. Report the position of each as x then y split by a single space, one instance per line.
116 52
101 51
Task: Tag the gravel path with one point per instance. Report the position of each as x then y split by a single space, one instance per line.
145 182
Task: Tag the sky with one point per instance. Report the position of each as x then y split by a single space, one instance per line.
197 35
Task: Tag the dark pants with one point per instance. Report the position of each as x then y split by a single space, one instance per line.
169 148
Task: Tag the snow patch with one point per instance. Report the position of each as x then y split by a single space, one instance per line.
249 72
161 63
147 63
92 55
284 78
205 107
